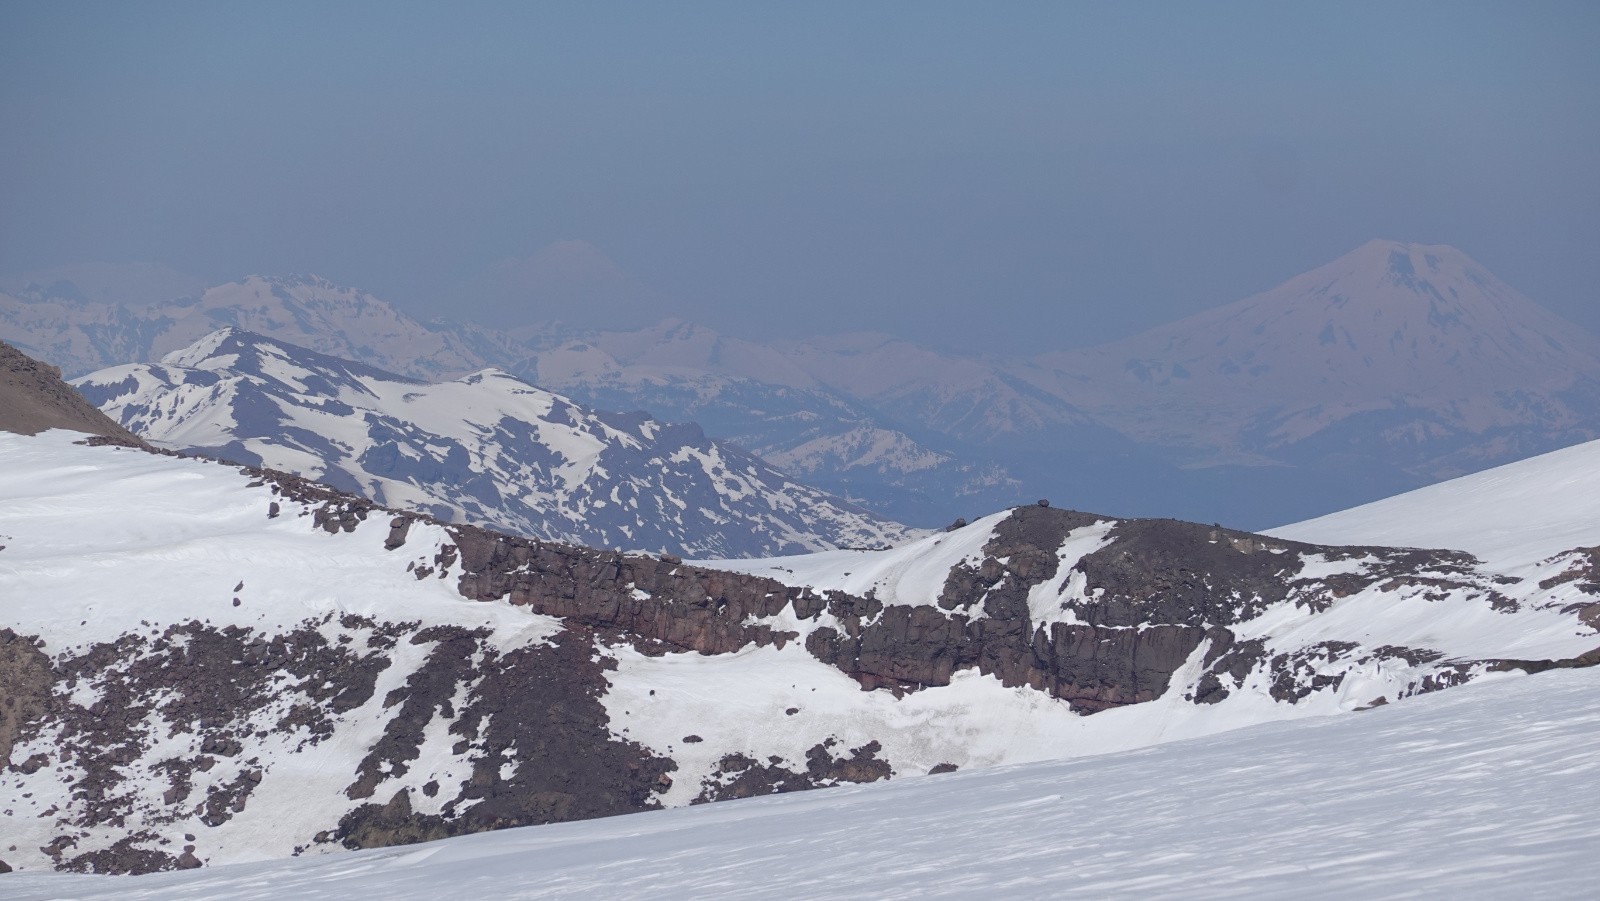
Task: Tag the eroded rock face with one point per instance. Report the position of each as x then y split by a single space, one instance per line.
117 712
25 681
182 724
1157 590
659 605
541 749
191 726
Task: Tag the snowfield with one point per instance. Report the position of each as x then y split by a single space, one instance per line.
1483 791
1526 510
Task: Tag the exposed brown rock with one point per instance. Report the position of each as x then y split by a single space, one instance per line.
1582 567
25 682
34 398
741 776
668 606
1582 661
536 710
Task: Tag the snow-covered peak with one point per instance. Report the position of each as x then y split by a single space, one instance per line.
1407 318
203 351
486 448
1414 348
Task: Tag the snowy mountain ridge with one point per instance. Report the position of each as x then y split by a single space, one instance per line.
273 668
81 334
487 448
768 399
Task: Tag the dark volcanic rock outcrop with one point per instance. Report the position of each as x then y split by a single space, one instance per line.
231 700
516 710
741 776
534 712
1157 589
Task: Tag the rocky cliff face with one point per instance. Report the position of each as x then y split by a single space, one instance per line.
257 664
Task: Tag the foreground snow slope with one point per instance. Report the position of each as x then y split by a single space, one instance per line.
1487 790
1528 510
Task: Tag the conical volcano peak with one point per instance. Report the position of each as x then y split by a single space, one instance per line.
1423 322
1412 265
1380 280
1438 273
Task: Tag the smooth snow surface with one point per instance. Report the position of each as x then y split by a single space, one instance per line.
1528 510
1484 791
103 541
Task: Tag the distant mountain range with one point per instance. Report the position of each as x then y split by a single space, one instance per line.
486 448
83 331
1389 368
1409 353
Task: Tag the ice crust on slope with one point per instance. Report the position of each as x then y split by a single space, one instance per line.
1486 790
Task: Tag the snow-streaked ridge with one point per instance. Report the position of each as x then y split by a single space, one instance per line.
486 448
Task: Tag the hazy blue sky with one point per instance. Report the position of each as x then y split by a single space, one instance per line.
982 176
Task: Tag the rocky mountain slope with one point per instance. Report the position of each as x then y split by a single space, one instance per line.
486 448
33 399
213 665
1488 784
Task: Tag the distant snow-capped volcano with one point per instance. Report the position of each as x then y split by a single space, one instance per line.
487 448
1413 346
